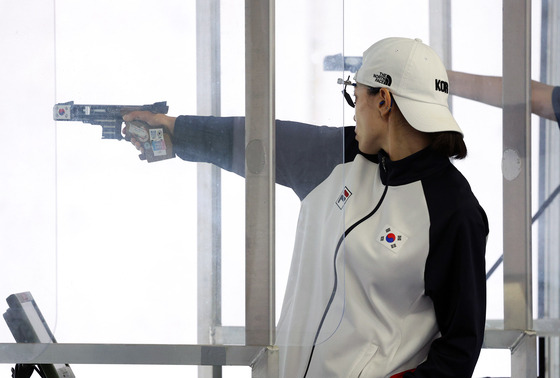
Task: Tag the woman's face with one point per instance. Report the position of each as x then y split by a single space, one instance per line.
370 129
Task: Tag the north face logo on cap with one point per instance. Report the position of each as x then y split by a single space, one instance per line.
442 86
383 78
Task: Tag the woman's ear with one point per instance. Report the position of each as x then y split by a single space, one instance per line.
386 102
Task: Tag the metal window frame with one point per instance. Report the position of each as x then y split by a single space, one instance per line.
516 92
209 187
517 332
549 239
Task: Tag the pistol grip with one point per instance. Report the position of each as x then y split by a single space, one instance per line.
155 140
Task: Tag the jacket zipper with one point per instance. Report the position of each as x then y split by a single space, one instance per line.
335 286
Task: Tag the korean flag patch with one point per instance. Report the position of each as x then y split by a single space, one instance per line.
391 238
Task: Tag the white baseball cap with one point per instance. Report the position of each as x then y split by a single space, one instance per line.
417 78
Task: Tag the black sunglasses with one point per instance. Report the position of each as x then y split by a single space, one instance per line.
346 95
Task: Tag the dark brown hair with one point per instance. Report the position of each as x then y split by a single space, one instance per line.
450 144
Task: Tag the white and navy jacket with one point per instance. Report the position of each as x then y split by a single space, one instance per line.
388 270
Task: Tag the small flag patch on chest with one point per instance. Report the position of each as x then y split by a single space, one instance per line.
391 238
343 197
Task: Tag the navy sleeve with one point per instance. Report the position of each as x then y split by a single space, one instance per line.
455 278
305 154
216 140
556 103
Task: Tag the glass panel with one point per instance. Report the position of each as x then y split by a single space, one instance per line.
546 156
482 125
307 92
126 229
482 167
28 194
546 206
232 72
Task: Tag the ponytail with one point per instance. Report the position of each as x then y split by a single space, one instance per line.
450 144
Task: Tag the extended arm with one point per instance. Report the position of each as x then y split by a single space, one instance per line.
488 90
305 154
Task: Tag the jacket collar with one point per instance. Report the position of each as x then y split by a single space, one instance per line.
412 168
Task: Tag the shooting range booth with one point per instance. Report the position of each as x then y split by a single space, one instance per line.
108 225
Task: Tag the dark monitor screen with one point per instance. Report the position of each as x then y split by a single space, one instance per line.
28 325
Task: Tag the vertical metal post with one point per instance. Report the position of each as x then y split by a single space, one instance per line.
259 172
440 31
549 169
209 272
524 357
266 365
516 165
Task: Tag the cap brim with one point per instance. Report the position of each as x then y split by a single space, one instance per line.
427 117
